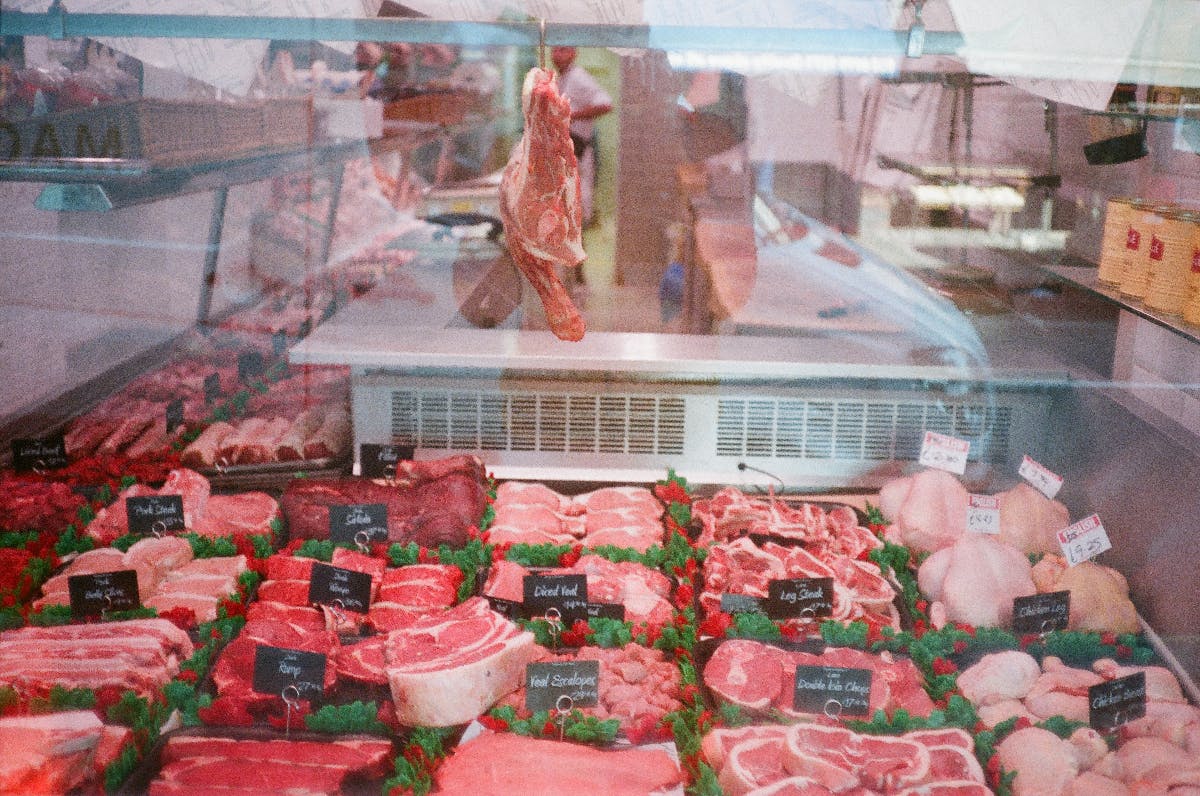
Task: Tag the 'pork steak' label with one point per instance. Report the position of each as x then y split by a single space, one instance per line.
1117 702
92 595
43 453
565 593
1041 613
547 683
803 597
157 514
340 588
358 522
833 691
379 461
276 669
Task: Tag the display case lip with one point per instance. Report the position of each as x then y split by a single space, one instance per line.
61 24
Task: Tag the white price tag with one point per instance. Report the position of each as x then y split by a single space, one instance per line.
1083 540
1040 478
983 514
944 452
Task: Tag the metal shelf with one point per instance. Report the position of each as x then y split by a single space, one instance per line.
1152 112
109 184
1085 277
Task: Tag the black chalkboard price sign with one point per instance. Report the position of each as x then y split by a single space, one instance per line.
1117 702
566 594
340 588
156 514
358 522
277 669
799 597
94 594
1041 613
379 461
833 691
547 683
36 455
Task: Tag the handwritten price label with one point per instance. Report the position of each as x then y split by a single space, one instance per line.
983 514
1040 478
1083 540
944 452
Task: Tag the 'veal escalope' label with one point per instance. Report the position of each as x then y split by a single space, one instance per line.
1040 477
1083 540
547 683
983 514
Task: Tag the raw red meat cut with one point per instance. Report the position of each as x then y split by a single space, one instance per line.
282 566
535 514
644 592
638 686
811 758
421 585
371 756
141 654
759 677
503 764
243 514
429 512
48 754
540 201
364 661
449 667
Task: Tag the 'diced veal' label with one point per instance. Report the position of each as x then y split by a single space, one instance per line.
565 593
340 588
276 669
832 691
546 683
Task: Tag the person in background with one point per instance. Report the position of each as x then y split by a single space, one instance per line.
588 102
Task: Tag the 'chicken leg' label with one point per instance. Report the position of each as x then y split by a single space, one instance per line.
944 452
1084 540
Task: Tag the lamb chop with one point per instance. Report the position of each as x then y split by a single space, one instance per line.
540 201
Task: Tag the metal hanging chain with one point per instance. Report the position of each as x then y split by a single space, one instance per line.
542 43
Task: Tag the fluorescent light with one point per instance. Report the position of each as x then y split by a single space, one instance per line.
759 63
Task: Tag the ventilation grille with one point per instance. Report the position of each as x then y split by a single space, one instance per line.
855 430
557 422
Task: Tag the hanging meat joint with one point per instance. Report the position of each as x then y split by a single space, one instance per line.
540 202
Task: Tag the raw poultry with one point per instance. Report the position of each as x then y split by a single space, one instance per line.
975 581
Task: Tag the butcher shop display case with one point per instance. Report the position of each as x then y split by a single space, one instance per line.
816 406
